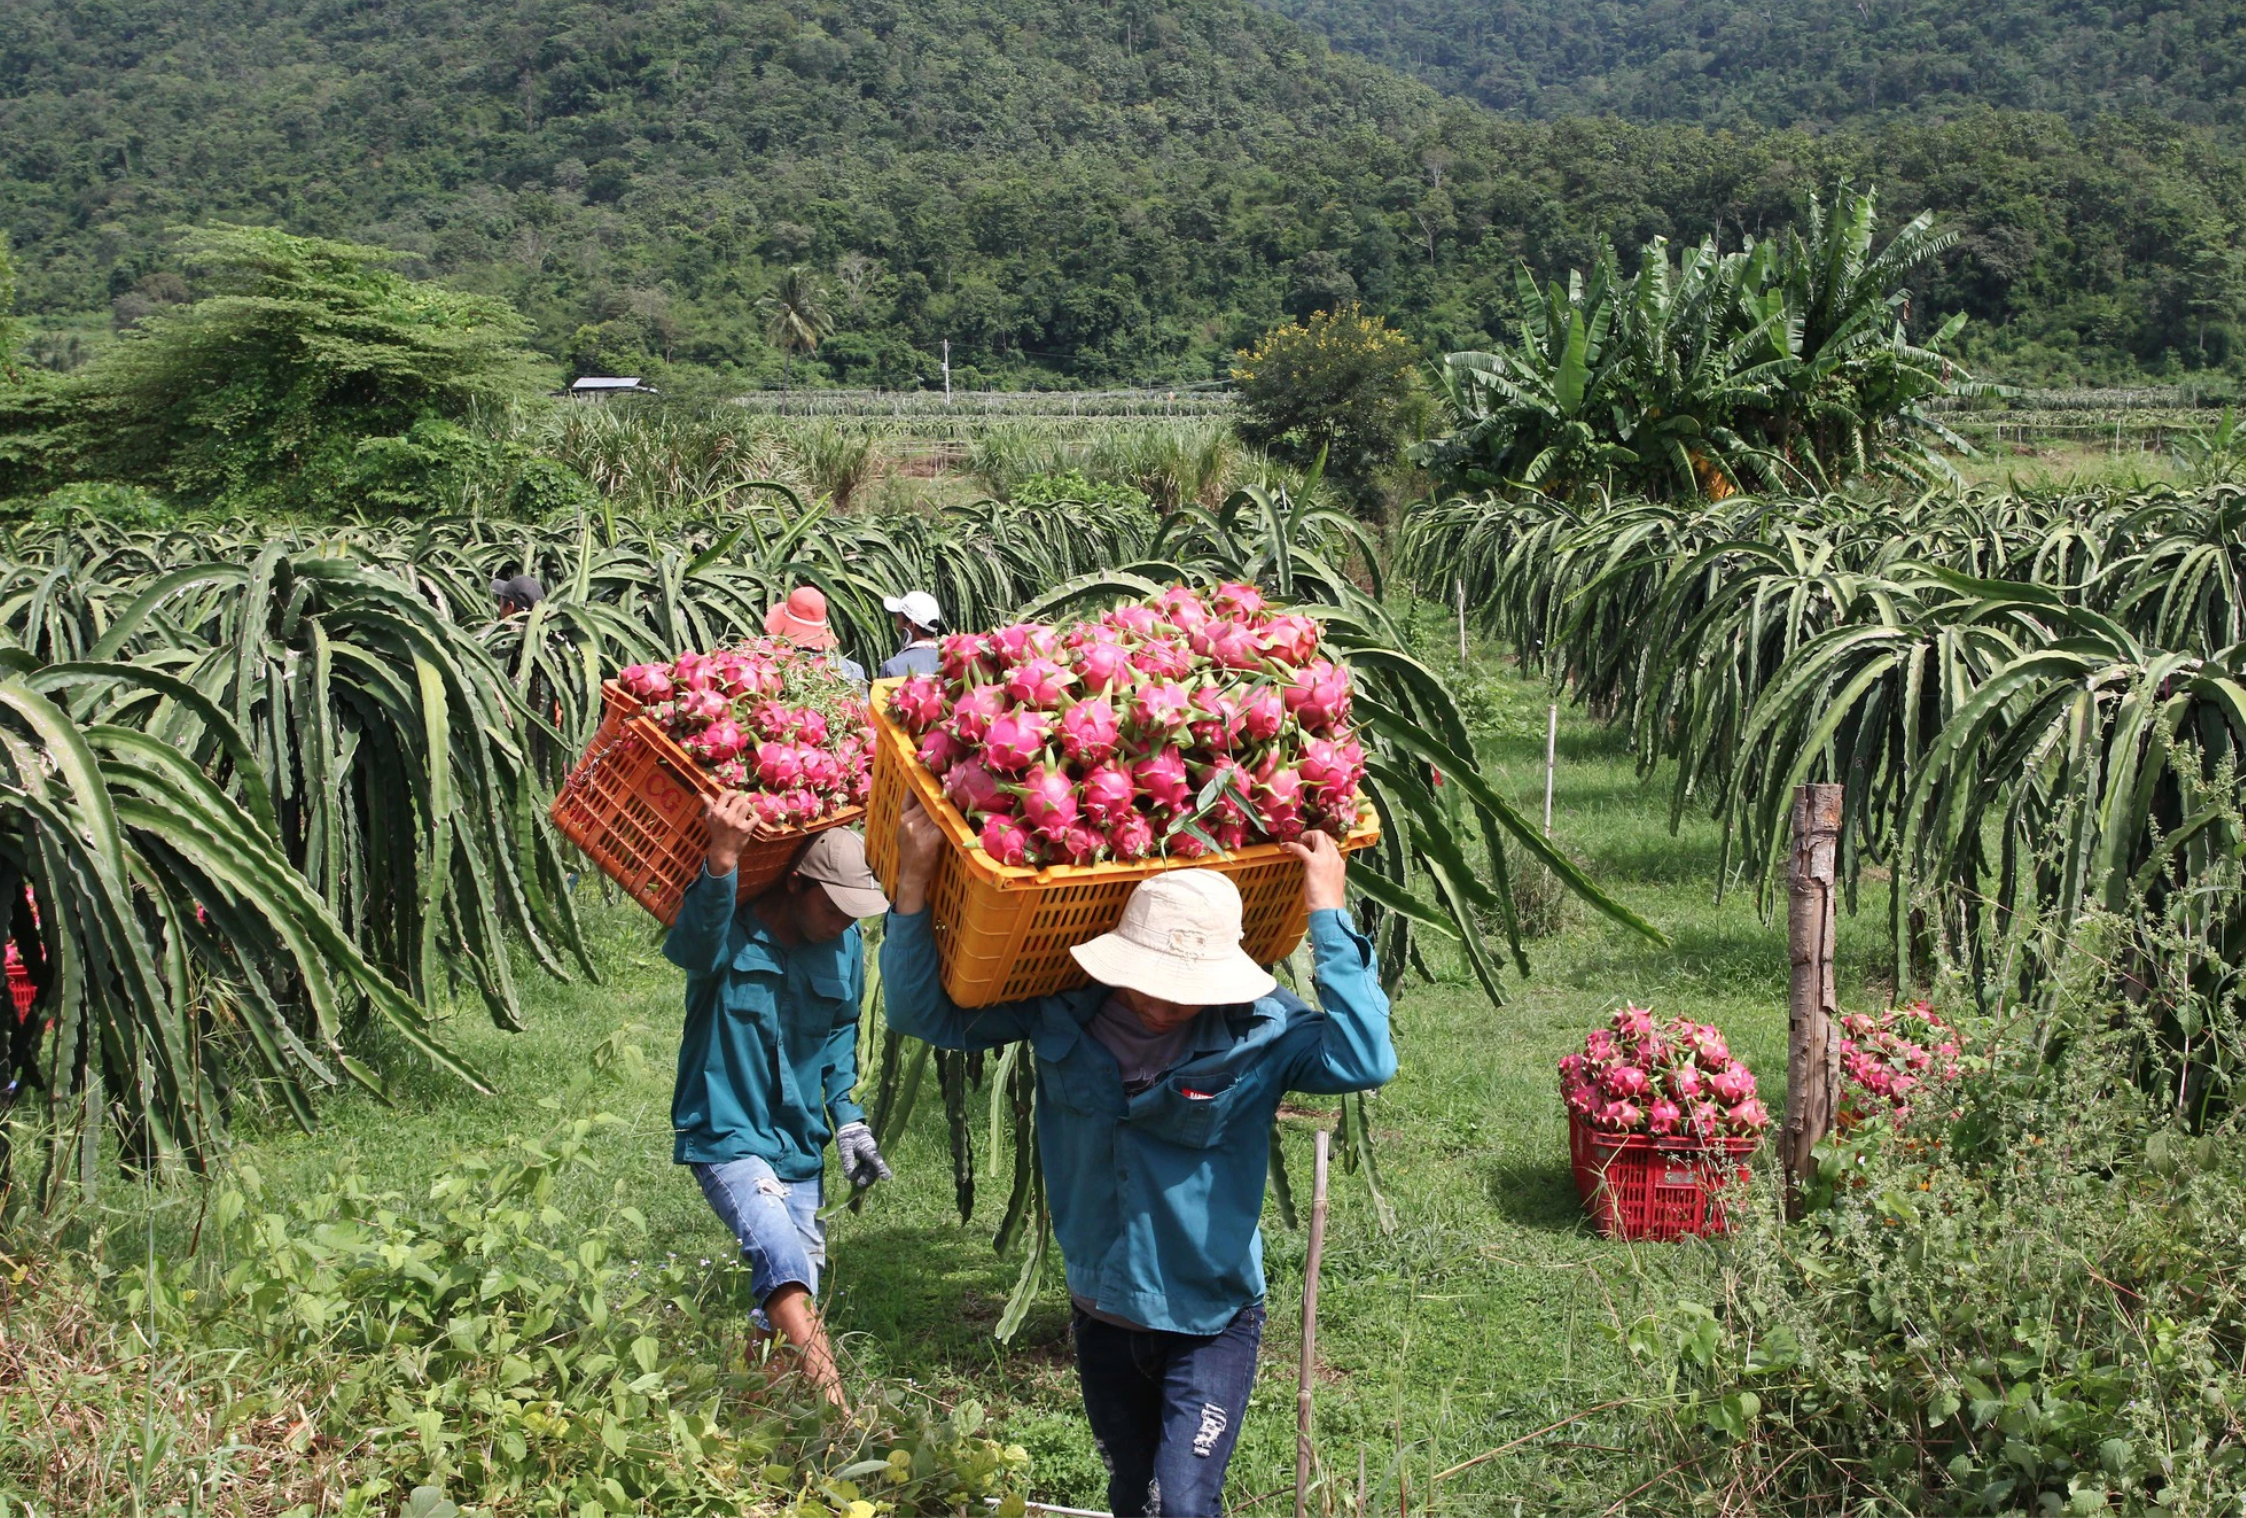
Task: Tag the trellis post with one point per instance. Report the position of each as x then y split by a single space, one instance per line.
1309 1372
1813 1033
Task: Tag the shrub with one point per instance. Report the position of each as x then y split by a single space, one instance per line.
1070 487
479 1348
1341 384
2026 1299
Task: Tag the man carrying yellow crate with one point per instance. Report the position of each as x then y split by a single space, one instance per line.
769 1056
1156 1088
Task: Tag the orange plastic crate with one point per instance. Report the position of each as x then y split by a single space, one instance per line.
1641 1187
1004 931
634 805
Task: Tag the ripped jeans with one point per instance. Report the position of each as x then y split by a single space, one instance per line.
1166 1409
775 1221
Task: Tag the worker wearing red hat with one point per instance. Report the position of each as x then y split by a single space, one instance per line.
802 620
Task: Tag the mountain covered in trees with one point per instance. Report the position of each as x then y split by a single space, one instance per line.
1808 62
1066 193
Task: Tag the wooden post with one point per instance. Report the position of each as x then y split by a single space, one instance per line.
1813 1042
1310 1329
1460 583
1551 754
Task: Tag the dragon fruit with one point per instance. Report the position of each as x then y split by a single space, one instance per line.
1089 732
1158 710
973 788
1214 719
1330 768
1038 682
647 682
1162 659
1005 839
918 703
1106 794
1278 797
1319 697
720 741
1016 740
1290 640
973 713
1232 599
1163 778
1138 623
962 656
1023 642
1080 844
779 766
1661 1073
691 671
1049 802
1131 836
939 751
1101 666
701 706
1262 714
1182 608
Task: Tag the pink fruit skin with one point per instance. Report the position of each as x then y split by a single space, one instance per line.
1233 599
1082 845
939 751
700 707
648 682
1181 608
962 655
1235 647
1158 709
1106 794
691 671
1005 840
1664 1116
1621 1117
1581 1097
1215 719
1732 1084
1015 741
1049 802
1749 1116
973 713
1101 666
1685 1081
1163 778
1332 769
769 810
811 726
1139 622
1291 640
1625 1080
1162 659
1023 642
972 789
917 703
1089 732
721 740
772 721
1131 837
1261 715
1038 682
1319 697
779 766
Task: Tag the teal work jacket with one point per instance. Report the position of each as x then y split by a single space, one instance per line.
1156 1197
770 1050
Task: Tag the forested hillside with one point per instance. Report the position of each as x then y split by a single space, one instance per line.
1807 61
1068 194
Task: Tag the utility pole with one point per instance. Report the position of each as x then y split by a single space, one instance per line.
947 371
1813 1033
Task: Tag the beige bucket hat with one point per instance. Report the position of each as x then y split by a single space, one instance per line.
1179 940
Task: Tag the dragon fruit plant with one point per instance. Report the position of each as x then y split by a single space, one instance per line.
1672 1080
767 718
1183 725
1888 1060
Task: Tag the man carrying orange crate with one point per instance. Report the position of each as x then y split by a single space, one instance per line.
769 1056
1156 1088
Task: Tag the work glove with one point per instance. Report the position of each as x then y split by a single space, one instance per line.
862 1163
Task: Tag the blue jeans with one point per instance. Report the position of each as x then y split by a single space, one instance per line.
1165 1410
776 1222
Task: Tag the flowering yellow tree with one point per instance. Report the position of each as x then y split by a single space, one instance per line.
1341 381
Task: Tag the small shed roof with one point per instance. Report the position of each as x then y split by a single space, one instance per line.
605 382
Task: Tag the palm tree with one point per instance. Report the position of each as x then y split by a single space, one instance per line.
795 316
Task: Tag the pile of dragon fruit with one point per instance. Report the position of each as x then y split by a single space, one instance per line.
1888 1059
1674 1080
1178 726
767 718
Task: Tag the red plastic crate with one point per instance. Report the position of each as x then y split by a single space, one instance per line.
1640 1187
21 990
634 805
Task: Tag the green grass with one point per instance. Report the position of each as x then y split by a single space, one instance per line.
1481 1317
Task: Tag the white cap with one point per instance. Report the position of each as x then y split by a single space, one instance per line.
917 607
1179 940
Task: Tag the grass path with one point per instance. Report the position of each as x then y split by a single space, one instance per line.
1483 1316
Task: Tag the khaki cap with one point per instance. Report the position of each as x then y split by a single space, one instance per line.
1179 940
836 859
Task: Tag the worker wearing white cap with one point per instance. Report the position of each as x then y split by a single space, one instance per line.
918 618
1156 1089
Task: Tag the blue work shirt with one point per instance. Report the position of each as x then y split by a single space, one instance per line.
1156 1197
912 659
770 1050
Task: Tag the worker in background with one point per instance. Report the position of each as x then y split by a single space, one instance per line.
769 1057
1156 1087
802 620
918 619
516 594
